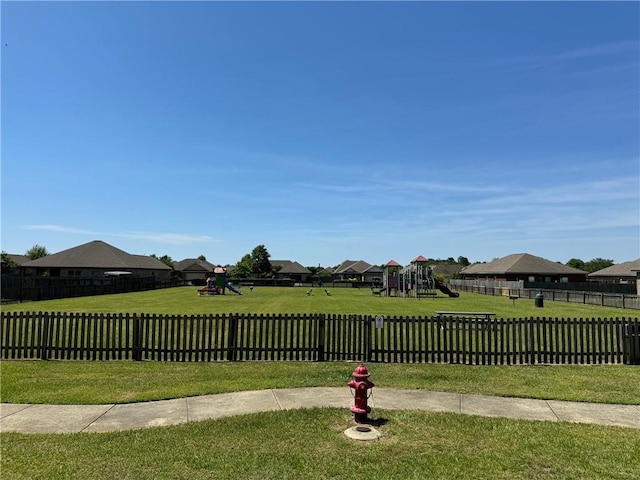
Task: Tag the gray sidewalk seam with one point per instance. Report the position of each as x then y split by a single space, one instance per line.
97 418
553 411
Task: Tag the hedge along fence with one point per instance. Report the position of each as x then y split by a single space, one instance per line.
318 337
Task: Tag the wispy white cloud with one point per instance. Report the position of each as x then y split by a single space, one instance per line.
540 61
61 229
158 237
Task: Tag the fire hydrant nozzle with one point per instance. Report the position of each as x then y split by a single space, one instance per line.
360 386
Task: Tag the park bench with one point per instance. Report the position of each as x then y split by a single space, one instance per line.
377 291
470 319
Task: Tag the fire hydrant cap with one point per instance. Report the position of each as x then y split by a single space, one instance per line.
361 372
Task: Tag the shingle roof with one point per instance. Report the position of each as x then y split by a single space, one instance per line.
193 265
289 267
446 269
18 259
355 266
97 254
520 263
624 269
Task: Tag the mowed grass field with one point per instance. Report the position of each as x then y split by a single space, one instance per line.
185 301
310 443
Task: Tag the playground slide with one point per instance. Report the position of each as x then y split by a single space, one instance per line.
445 289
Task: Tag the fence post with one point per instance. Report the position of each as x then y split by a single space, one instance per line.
45 338
367 337
232 348
530 342
137 338
320 354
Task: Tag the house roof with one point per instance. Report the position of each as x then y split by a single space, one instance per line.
18 259
193 265
624 269
521 263
289 267
352 266
419 258
97 254
392 263
446 269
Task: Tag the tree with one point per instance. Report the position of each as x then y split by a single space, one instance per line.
260 264
8 265
242 269
315 270
166 259
203 258
37 251
464 261
575 263
597 264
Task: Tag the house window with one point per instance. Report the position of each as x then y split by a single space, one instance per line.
532 279
74 273
564 280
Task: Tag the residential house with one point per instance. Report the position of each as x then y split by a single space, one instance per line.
623 273
286 269
445 269
95 259
360 270
525 267
193 270
15 261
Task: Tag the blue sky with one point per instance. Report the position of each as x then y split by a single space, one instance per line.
324 131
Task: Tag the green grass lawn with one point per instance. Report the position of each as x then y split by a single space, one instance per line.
184 300
310 443
86 382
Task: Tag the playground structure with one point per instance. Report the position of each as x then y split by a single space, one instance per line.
414 281
391 279
217 283
418 279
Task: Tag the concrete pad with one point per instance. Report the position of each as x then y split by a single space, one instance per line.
524 408
289 398
603 414
393 399
363 433
141 415
228 404
7 409
52 418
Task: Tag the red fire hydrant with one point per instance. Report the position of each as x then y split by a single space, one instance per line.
360 385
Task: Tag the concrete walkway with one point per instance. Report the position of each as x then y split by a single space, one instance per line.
27 418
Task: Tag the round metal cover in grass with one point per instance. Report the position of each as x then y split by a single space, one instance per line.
362 432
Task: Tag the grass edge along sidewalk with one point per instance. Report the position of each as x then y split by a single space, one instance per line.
88 382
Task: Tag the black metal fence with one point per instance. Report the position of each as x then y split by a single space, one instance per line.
16 288
603 299
318 337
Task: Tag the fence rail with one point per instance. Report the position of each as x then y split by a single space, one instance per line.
318 337
617 300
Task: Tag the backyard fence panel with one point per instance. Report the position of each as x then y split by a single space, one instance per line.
80 336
